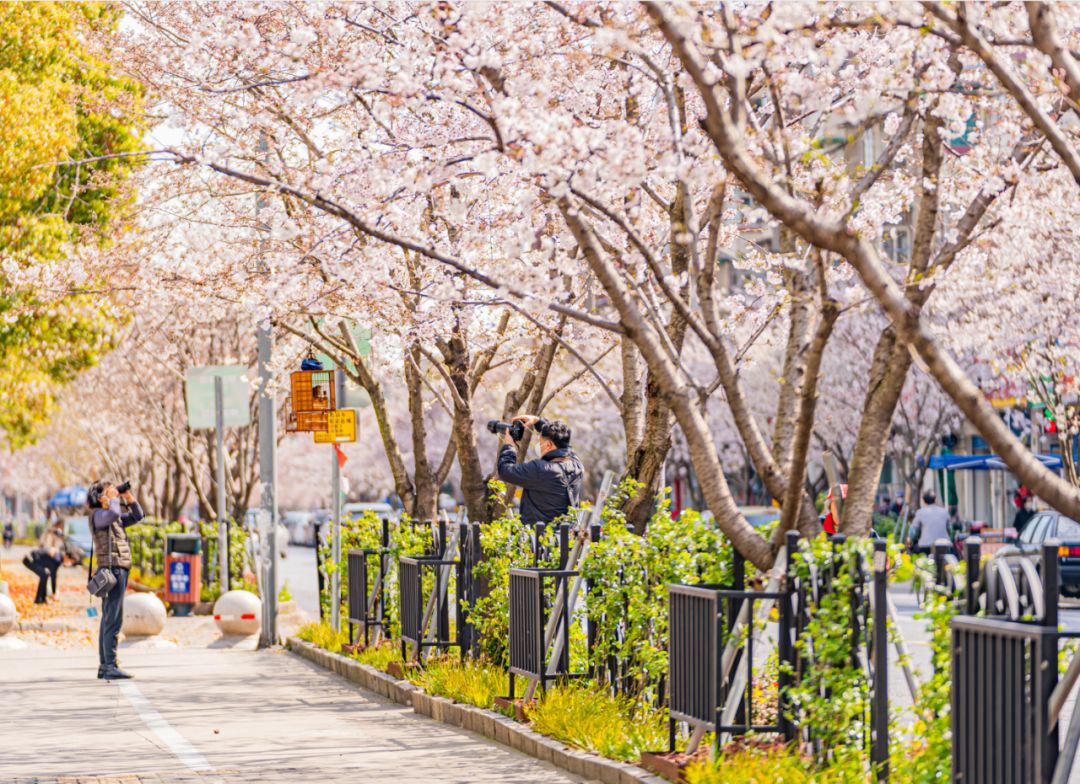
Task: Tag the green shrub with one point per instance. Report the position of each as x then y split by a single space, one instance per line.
628 577
593 720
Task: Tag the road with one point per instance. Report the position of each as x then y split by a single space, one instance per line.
298 568
225 716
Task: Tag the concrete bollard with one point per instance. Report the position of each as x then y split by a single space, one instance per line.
144 615
238 612
8 614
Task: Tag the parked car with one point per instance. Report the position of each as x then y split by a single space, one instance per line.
1052 525
759 516
77 533
380 508
300 527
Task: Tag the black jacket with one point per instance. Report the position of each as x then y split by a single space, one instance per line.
549 487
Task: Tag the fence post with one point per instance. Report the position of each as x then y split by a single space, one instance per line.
738 583
879 718
1048 655
939 548
590 624
539 529
972 549
319 569
786 647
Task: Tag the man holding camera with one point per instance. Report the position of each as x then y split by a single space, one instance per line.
551 484
107 524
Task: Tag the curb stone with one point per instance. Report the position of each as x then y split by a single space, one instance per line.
481 721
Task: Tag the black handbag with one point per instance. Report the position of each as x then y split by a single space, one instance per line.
104 581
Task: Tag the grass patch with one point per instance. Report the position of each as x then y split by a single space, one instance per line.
379 656
322 634
473 683
593 720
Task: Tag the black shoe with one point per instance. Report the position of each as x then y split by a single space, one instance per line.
115 674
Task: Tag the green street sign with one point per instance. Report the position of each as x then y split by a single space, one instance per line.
235 395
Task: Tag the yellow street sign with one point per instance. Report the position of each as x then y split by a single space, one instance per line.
341 428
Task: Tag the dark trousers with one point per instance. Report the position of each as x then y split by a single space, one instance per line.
42 566
112 618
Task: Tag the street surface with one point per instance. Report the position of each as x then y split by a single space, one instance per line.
225 716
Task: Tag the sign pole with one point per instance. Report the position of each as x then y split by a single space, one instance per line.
335 577
267 481
223 525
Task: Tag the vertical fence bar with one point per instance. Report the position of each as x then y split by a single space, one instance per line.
1048 656
879 718
938 550
972 550
786 647
590 624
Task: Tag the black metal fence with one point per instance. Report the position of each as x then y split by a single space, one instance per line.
714 631
1005 670
425 586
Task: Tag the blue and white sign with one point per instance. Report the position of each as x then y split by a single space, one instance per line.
179 577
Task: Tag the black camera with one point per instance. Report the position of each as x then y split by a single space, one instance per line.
124 488
515 429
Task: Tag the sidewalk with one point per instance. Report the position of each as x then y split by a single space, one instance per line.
201 715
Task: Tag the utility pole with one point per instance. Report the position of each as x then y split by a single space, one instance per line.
335 576
223 524
268 518
267 482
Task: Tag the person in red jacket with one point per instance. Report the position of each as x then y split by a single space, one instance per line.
833 514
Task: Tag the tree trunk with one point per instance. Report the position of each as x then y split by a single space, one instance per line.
646 465
806 405
682 400
888 372
425 500
798 284
473 486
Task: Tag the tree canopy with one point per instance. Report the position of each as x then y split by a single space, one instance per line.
60 102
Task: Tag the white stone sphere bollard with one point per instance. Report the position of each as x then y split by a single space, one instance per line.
144 615
238 612
8 614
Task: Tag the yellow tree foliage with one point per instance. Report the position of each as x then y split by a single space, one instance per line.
59 103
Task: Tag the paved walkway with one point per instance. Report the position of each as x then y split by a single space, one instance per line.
225 716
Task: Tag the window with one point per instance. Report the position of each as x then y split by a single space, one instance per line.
1068 530
1034 531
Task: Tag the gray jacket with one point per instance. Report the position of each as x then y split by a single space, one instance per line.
113 550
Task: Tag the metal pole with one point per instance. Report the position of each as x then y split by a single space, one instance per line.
267 482
879 716
223 524
267 454
335 575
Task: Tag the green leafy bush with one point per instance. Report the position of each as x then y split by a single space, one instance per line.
592 719
628 576
831 699
364 532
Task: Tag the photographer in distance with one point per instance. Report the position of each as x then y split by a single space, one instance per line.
113 554
551 484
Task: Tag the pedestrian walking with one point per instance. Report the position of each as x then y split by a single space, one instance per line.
930 523
9 535
1024 513
110 544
